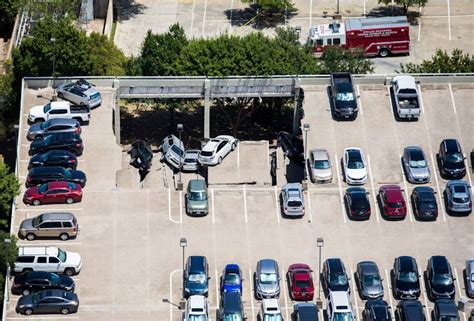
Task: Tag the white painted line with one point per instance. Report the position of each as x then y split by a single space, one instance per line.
389 288
365 9
285 294
212 207
452 96
405 186
192 18
245 205
309 207
251 293
46 243
204 18
435 174
459 289
171 292
181 206
231 15
423 289
43 209
277 205
389 97
42 318
169 209
340 188
238 155
358 90
310 14
24 161
374 194
217 287
422 106
268 155
419 24
449 20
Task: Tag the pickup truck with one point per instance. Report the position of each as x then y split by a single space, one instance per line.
343 97
48 259
59 109
406 97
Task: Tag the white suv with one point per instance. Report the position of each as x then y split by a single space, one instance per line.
270 310
339 307
48 259
197 309
292 199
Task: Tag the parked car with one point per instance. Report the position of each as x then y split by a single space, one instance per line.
141 155
42 175
53 193
357 203
231 279
55 125
196 276
267 279
231 307
319 165
48 301
405 278
191 162
344 99
439 278
469 277
415 165
424 203
217 149
173 151
292 200
36 281
406 97
270 310
376 310
305 312
61 158
300 282
292 146
334 276
196 309
409 310
451 159
445 310
355 167
197 201
48 259
457 196
339 307
392 202
55 225
66 141
80 92
59 109
369 281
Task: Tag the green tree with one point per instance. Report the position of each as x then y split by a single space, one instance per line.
442 62
9 189
9 10
336 59
405 4
271 8
9 251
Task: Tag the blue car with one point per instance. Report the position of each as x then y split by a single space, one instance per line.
231 279
196 277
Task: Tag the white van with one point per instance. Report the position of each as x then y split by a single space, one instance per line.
48 259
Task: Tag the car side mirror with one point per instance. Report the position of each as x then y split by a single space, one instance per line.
208 277
418 82
454 279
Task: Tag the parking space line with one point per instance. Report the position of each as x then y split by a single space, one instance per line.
41 209
192 18
310 14
245 205
377 214
181 206
452 96
217 286
441 203
212 207
419 24
277 207
389 288
449 20
268 155
423 289
358 90
251 293
459 288
407 198
389 97
238 155
285 294
231 15
171 292
355 290
204 18
309 207
340 189
42 318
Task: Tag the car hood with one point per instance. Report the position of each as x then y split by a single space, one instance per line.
356 173
322 172
78 175
27 224
73 258
37 143
67 281
34 128
268 288
441 289
231 288
196 286
419 172
25 300
36 110
373 289
407 286
197 204
31 191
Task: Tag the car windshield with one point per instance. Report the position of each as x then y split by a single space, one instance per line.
197 278
267 278
232 278
448 318
272 317
338 279
427 204
461 200
232 317
321 164
294 204
342 316
193 317
54 278
177 150
45 124
454 158
38 220
62 255
345 96
206 153
197 196
355 161
96 95
472 277
47 108
418 163
408 276
47 140
303 284
359 201
35 297
371 280
442 278
190 160
43 188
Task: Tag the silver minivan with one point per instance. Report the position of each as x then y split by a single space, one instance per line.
49 225
197 201
173 151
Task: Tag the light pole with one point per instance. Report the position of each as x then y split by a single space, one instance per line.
337 7
180 184
320 244
183 243
6 244
306 128
298 33
53 42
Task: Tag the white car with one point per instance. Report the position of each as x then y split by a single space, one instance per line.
355 167
217 149
339 307
270 310
292 200
197 309
191 163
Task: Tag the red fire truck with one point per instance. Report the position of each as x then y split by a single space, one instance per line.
375 36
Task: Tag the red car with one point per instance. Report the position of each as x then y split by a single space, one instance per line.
300 282
53 192
392 202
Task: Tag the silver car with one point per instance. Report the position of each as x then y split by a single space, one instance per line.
173 151
415 165
191 163
55 125
80 92
319 166
292 201
469 273
267 279
458 197
369 281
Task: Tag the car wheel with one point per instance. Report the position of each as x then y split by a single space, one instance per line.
64 311
25 292
29 311
30 236
69 200
219 160
233 146
60 95
384 52
69 272
36 202
27 270
64 237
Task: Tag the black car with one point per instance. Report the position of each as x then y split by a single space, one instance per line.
376 310
439 278
141 155
305 312
41 175
344 99
334 276
292 146
409 310
357 203
37 281
196 276
445 310
405 278
424 203
231 307
65 141
48 301
451 159
61 158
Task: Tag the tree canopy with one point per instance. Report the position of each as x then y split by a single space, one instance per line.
405 4
9 189
442 62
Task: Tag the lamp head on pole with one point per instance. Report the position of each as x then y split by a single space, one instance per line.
306 127
183 242
7 241
180 127
320 242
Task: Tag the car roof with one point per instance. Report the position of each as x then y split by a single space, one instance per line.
368 267
319 154
55 293
353 190
232 268
46 170
197 263
340 300
299 266
407 263
425 189
413 309
458 182
415 151
211 145
197 184
57 216
307 311
405 81
33 275
440 264
231 301
197 302
393 192
268 265
63 121
446 307
58 184
270 305
471 263
335 265
451 145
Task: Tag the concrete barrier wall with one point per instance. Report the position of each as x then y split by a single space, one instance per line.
109 19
